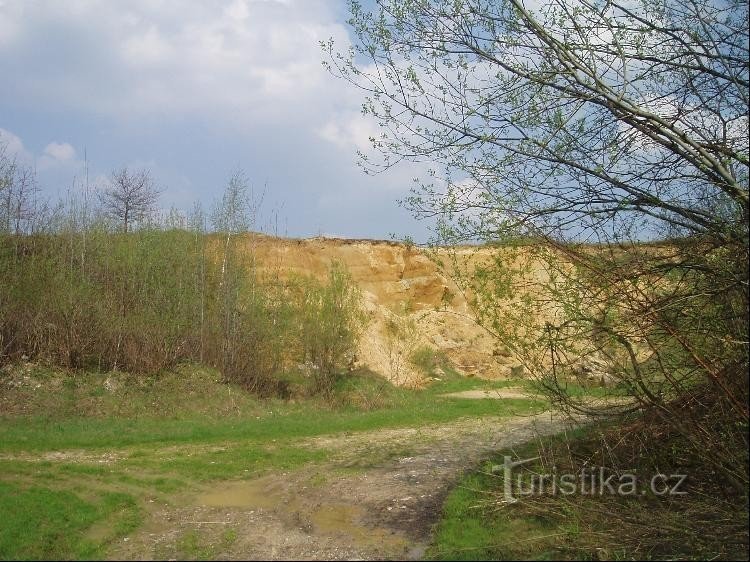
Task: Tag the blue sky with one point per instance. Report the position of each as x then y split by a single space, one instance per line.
192 90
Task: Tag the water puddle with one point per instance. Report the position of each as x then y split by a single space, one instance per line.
345 520
263 493
335 519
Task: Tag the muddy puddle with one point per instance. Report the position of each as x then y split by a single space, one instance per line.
318 515
263 493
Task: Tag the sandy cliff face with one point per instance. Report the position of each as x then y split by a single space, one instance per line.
410 304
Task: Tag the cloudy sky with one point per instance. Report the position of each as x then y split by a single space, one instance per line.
192 90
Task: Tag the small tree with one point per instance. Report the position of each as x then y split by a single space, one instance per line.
332 321
234 214
131 197
20 208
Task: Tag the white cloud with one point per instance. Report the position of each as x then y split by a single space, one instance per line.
197 87
58 155
9 26
12 145
350 132
60 151
237 10
57 162
147 49
243 63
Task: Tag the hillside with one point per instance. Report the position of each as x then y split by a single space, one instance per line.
410 301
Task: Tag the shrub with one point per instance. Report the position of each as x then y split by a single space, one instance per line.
331 320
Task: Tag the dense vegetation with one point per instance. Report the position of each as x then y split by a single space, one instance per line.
83 290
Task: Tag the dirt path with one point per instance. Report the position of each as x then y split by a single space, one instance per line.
377 498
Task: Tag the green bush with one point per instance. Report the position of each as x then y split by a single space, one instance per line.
330 322
428 360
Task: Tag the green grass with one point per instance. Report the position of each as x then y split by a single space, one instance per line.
119 439
159 452
144 424
478 525
40 433
44 523
704 523
192 546
186 392
122 440
475 526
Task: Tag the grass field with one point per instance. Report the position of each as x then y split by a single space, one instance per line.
82 454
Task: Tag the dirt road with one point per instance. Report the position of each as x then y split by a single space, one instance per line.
376 498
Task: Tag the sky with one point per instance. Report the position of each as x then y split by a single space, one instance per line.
193 90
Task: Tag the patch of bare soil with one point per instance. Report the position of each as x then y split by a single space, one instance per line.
497 394
377 498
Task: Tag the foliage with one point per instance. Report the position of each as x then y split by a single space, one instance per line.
331 320
428 360
20 207
85 294
575 118
478 524
615 135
